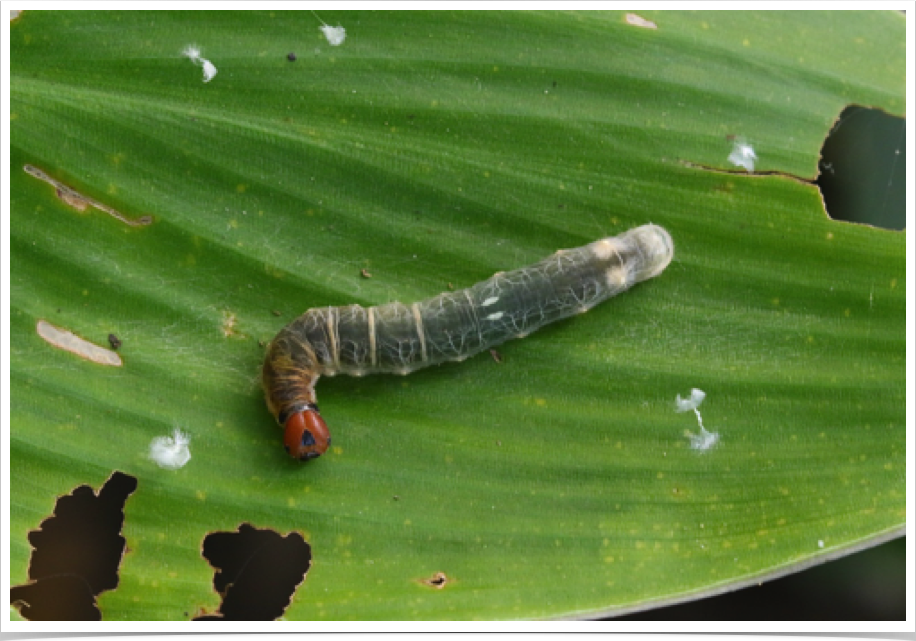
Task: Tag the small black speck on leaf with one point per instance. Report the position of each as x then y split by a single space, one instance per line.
291 57
114 341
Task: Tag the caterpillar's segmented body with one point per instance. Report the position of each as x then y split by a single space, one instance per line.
400 338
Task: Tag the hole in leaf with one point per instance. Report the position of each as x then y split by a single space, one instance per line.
76 555
257 572
438 580
863 168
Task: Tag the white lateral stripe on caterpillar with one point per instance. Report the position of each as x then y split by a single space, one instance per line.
398 338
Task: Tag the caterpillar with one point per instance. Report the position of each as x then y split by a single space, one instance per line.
400 338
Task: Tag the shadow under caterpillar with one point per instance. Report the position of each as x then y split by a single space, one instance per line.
400 338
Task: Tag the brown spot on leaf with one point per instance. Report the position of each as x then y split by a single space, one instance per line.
75 200
438 580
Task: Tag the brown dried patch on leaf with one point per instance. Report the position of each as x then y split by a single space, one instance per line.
76 554
67 340
639 21
81 202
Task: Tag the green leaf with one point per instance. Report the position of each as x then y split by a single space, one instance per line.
432 149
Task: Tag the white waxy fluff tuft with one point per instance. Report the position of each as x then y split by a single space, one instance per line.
192 52
209 69
705 440
335 35
171 452
742 155
687 404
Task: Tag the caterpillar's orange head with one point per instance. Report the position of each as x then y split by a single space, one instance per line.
305 434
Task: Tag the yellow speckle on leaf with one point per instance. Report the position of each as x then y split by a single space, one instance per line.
241 188
229 322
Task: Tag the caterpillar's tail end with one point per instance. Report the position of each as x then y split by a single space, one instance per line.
306 435
656 247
